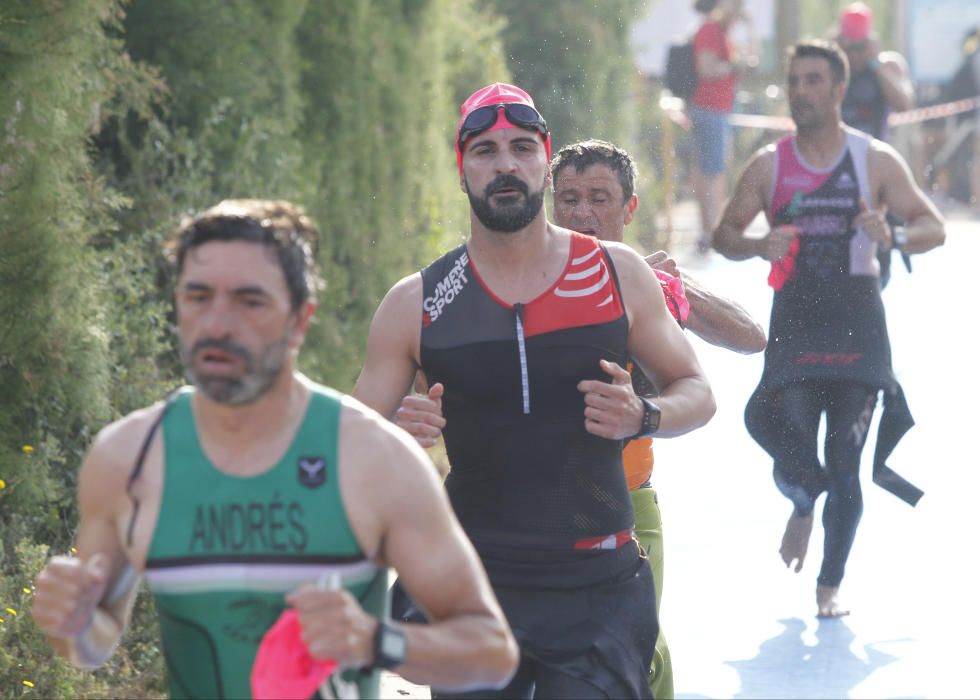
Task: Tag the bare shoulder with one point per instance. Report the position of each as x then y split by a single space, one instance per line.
376 448
407 290
761 162
407 285
402 305
110 458
756 176
383 474
623 254
882 149
885 163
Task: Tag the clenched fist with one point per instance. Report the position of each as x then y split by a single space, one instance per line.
67 591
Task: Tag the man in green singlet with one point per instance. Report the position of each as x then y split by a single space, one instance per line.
237 495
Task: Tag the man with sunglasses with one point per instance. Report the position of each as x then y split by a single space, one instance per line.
522 334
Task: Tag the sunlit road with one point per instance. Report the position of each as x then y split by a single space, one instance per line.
740 625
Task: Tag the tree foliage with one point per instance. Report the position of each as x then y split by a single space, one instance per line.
60 66
574 58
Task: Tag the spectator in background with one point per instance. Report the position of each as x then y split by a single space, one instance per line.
964 85
879 85
717 69
880 81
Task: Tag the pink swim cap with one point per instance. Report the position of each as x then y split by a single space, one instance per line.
855 23
496 94
283 668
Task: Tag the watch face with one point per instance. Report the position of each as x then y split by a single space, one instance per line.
652 417
393 644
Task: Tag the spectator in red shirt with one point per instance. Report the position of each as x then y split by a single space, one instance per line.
710 105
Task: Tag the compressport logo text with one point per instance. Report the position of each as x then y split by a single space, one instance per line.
446 290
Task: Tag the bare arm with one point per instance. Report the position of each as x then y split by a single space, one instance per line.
400 513
468 642
897 190
893 77
660 348
391 360
714 318
83 604
720 320
748 200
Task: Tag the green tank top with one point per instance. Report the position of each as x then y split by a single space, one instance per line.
226 550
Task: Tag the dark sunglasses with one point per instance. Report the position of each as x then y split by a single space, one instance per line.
482 118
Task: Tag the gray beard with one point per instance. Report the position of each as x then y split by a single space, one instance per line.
255 380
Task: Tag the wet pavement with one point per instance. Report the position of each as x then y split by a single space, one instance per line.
740 625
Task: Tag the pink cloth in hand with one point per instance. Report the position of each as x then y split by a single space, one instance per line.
673 289
782 270
283 668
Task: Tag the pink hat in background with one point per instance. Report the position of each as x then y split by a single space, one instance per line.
855 23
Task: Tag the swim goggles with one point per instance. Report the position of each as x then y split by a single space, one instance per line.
482 118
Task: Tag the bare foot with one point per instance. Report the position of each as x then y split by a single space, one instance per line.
827 605
796 539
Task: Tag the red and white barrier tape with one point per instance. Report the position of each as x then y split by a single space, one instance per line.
777 123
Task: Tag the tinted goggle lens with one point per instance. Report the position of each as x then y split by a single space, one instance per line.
483 118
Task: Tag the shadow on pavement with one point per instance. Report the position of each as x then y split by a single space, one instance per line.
787 667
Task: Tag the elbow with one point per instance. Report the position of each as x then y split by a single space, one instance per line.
722 243
757 341
710 406
506 660
936 238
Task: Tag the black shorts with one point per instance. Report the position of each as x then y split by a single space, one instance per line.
595 641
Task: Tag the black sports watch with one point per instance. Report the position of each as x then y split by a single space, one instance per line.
650 422
389 646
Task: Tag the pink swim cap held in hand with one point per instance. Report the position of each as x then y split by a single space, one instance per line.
674 295
283 668
781 271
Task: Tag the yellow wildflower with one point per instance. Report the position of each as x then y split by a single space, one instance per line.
27 449
28 684
11 611
3 484
26 589
74 551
